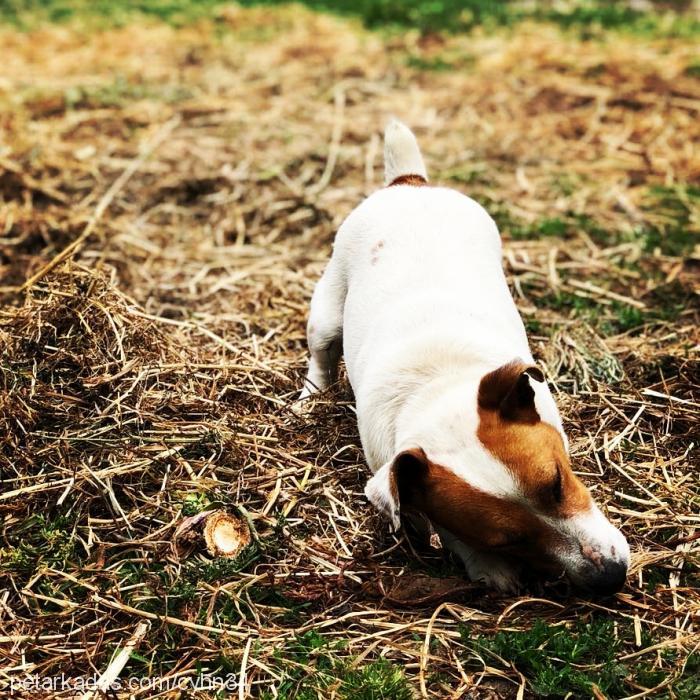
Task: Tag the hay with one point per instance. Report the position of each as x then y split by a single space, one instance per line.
147 371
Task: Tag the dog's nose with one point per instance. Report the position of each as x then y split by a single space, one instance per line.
609 579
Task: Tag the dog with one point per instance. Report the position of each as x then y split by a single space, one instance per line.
456 421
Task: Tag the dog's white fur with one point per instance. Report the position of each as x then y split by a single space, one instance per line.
416 295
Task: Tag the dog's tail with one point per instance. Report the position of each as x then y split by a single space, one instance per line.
403 163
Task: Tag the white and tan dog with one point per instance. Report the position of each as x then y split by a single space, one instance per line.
455 419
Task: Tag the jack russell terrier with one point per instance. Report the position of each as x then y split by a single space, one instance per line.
456 421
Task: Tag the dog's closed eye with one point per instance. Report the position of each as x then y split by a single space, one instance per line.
551 494
556 488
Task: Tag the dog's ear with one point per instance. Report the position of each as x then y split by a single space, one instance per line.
508 391
396 482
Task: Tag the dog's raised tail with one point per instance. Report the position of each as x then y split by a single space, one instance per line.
403 162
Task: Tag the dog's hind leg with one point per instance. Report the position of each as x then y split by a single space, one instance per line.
324 330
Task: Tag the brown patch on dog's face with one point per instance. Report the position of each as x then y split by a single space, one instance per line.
479 519
533 451
536 456
522 524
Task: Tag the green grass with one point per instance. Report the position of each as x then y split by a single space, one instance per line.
558 662
314 664
672 229
119 92
378 680
687 687
466 175
549 227
585 16
27 13
171 590
193 503
560 226
677 208
664 304
39 542
680 207
440 63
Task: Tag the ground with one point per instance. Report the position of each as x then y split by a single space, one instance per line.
171 179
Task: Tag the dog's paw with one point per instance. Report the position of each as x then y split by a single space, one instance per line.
493 571
483 567
304 404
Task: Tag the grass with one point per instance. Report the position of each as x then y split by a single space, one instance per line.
558 661
119 92
147 378
679 229
440 64
674 232
39 541
665 305
687 686
313 671
589 17
581 661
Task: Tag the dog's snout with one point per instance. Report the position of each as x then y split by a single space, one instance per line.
607 579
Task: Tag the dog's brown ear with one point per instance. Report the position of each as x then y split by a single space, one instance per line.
398 483
410 469
508 391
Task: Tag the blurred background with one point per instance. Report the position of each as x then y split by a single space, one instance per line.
172 174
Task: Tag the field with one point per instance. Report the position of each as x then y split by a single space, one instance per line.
171 177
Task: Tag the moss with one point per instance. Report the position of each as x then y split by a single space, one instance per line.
314 664
557 661
378 680
193 503
688 684
39 541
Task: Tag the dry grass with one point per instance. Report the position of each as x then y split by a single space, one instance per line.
195 178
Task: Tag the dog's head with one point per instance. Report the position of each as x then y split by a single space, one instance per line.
508 488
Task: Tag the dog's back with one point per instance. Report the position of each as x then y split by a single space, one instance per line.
422 266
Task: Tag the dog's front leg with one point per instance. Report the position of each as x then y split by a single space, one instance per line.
324 331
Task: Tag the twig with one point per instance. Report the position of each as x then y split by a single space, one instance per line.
111 673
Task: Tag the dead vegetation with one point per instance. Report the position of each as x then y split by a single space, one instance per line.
164 215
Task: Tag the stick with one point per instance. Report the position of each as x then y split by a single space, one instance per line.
336 136
166 618
117 664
